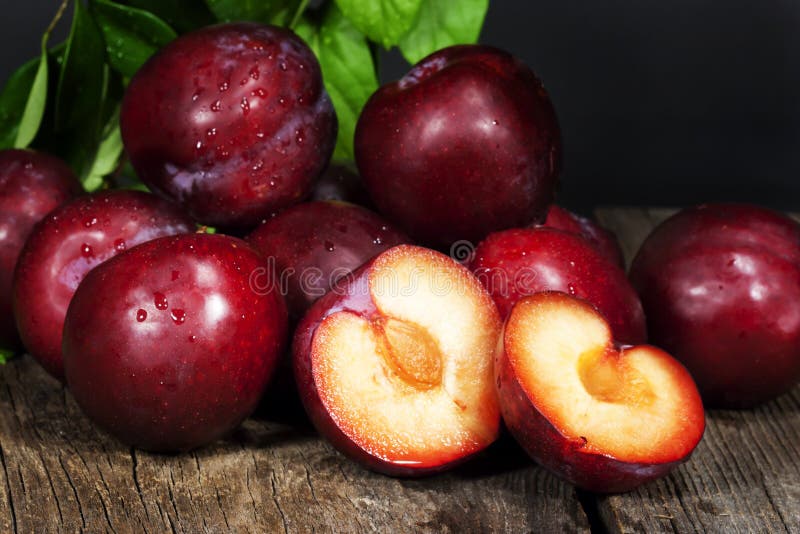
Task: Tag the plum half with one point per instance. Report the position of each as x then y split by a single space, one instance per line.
395 370
605 417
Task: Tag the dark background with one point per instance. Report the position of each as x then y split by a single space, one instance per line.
661 103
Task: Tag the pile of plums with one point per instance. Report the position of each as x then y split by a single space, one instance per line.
404 358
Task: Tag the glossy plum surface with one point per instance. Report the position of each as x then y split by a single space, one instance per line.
232 121
341 183
465 144
520 262
720 284
167 346
602 239
31 185
314 244
67 244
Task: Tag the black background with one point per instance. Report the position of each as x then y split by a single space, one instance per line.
661 103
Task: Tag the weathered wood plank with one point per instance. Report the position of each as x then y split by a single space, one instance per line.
61 474
744 475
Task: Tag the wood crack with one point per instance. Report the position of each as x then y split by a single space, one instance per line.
134 472
277 502
8 487
74 491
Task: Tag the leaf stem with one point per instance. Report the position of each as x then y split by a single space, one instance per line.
56 19
300 9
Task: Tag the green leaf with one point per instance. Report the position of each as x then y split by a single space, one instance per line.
383 21
81 111
15 95
13 101
132 35
108 155
442 24
5 355
278 12
347 68
183 15
81 85
37 101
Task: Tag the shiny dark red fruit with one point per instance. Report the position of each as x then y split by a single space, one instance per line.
232 121
467 143
315 244
70 242
720 284
168 347
520 262
603 240
340 182
31 185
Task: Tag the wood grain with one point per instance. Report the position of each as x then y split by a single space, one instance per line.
62 475
745 474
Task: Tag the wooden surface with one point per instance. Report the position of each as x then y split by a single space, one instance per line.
60 474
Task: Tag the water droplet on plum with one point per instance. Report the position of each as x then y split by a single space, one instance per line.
141 315
160 300
178 316
86 250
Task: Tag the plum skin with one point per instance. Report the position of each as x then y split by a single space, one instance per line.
232 121
465 144
720 284
167 346
333 238
519 262
68 243
559 454
340 182
31 185
602 239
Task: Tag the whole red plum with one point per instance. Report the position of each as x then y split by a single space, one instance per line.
720 284
467 143
31 185
232 121
167 346
70 242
